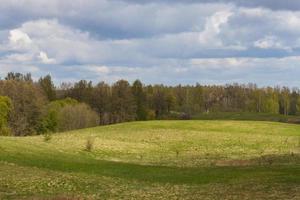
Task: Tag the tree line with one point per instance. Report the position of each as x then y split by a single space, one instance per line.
30 107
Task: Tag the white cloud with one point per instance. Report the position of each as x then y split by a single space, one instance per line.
213 28
19 39
19 58
44 58
270 42
117 39
218 63
99 69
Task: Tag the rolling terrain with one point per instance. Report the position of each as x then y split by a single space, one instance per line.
155 160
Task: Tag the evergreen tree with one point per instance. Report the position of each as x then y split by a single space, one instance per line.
140 100
101 101
48 87
123 105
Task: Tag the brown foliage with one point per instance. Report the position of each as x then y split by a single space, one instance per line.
27 104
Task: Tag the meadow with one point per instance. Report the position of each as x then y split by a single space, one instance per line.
195 159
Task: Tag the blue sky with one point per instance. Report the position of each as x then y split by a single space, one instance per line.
159 41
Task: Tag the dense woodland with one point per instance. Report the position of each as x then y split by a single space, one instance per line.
30 107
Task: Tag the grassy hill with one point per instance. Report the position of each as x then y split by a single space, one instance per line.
248 116
156 160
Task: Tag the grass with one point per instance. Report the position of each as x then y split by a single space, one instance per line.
248 116
156 160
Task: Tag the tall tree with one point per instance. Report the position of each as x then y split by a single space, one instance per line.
28 101
160 105
284 101
82 91
123 105
140 100
48 87
293 103
101 101
18 77
5 108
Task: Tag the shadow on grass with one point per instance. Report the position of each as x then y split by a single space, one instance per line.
288 173
265 160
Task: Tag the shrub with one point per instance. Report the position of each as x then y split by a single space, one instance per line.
89 144
50 119
47 137
68 114
185 116
150 115
76 116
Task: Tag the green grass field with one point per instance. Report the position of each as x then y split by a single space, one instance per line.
156 160
248 116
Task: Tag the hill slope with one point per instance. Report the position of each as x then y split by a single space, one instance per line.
158 159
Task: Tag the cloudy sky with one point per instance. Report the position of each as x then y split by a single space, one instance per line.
158 41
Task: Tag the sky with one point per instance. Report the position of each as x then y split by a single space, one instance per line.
157 41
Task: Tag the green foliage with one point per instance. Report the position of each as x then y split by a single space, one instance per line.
293 103
159 98
48 87
123 105
122 102
50 119
5 108
82 91
140 100
150 114
68 114
101 99
77 116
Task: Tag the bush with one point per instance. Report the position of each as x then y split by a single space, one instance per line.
47 137
185 116
68 114
5 131
151 115
89 144
49 122
76 116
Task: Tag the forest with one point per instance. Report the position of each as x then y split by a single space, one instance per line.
29 107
